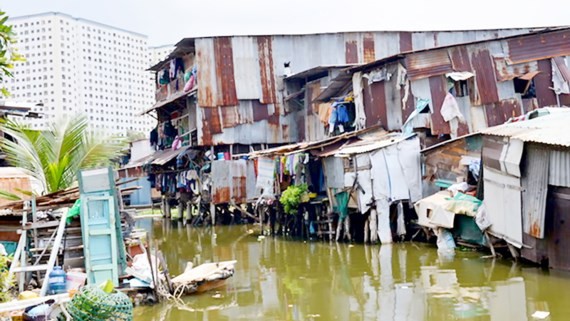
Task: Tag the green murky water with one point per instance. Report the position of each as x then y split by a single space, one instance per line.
277 279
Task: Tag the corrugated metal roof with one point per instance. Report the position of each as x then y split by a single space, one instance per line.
540 46
308 146
162 157
321 71
171 99
182 48
550 129
436 146
336 86
366 146
428 63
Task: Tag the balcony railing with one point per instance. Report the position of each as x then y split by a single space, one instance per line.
164 92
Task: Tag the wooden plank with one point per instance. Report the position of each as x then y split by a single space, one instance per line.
31 268
54 251
41 225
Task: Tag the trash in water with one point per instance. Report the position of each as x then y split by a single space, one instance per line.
540 314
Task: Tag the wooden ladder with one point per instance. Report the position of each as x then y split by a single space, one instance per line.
20 254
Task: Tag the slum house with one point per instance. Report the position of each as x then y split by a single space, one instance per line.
226 95
452 189
13 180
361 184
526 186
451 91
139 152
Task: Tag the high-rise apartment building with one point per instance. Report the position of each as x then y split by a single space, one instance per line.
75 66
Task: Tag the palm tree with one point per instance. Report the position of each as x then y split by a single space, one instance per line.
56 155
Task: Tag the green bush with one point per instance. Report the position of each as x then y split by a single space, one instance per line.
6 282
291 198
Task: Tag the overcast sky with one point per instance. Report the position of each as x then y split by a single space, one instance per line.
167 21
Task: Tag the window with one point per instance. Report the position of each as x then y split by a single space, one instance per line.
524 85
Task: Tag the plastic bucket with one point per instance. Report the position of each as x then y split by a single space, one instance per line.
75 280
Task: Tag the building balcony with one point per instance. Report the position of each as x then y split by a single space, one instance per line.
173 88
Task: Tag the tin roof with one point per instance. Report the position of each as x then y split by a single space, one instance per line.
550 129
171 99
308 146
368 145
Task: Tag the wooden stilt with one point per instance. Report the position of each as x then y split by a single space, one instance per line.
488 238
514 251
367 230
213 213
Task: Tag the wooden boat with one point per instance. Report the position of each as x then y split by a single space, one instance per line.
203 278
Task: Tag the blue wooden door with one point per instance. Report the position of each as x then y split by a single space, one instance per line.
99 238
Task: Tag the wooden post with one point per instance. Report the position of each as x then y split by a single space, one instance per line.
166 207
180 210
490 244
147 250
513 251
23 256
189 210
366 230
213 213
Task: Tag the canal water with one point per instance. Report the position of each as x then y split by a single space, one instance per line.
279 279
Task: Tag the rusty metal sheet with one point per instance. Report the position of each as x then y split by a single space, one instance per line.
374 96
438 91
260 111
561 64
534 187
221 180
542 83
428 63
211 124
230 116
460 59
238 172
505 71
246 68
227 95
529 104
393 100
406 41
499 112
485 76
351 52
368 47
206 63
300 120
267 74
556 231
539 46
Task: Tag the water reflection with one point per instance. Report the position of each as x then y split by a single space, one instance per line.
278 279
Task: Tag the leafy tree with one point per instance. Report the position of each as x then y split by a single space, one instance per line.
8 53
55 156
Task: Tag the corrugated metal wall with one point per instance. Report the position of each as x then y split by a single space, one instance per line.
534 189
559 168
232 69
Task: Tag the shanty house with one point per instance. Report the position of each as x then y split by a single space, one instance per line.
527 186
462 88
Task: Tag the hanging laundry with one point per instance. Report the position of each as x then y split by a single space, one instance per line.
172 69
164 78
325 113
342 114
